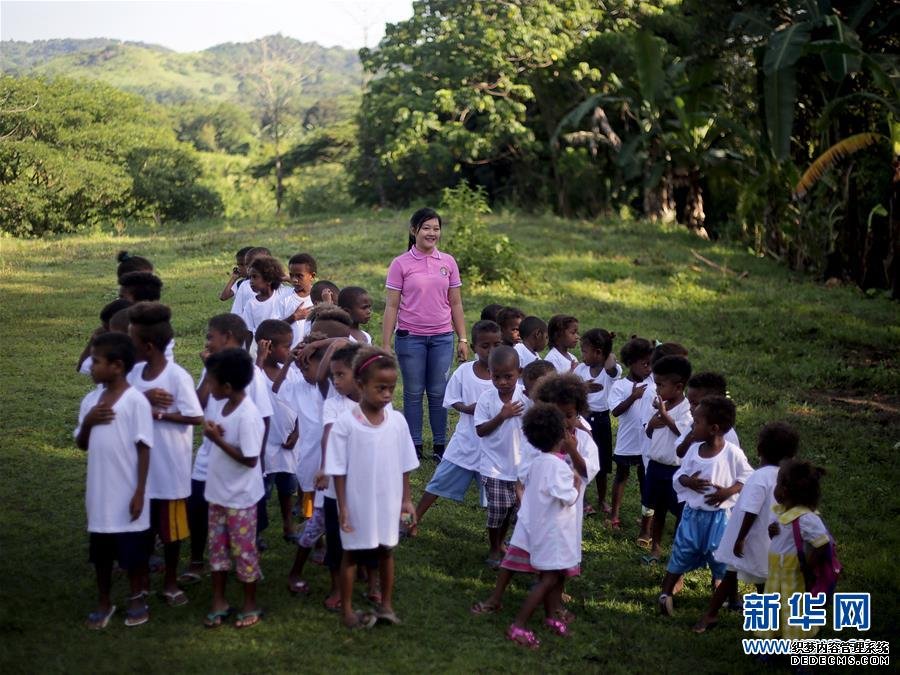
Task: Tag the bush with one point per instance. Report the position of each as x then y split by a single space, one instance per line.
480 254
321 188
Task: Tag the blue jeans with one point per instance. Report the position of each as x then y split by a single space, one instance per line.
425 363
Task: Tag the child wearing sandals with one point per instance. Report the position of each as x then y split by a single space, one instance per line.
547 522
234 483
115 427
370 455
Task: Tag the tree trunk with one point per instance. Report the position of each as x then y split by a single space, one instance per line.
659 202
694 216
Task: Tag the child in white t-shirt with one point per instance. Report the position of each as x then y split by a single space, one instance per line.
115 426
170 390
238 276
244 291
625 401
302 269
745 545
711 475
234 484
370 455
458 468
547 522
266 275
533 332
562 332
357 303
699 387
510 319
599 370
498 425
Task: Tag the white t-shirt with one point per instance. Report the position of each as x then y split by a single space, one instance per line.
289 304
464 386
241 294
257 393
548 517
757 497
170 461
526 356
255 312
307 400
730 436
562 363
228 482
599 400
628 437
812 529
662 444
373 459
726 468
112 470
501 451
278 458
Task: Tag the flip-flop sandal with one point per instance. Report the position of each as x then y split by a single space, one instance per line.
298 587
190 578
644 542
381 614
137 616
522 636
485 608
699 627
363 620
100 620
650 559
175 598
557 626
589 510
333 605
217 618
255 614
374 597
493 563
615 524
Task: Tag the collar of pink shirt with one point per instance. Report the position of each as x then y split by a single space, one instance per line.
419 255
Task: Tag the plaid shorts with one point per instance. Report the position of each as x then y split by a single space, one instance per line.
501 499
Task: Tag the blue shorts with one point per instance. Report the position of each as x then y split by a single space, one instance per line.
698 536
659 492
452 482
285 483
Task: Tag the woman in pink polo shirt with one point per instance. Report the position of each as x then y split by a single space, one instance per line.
424 304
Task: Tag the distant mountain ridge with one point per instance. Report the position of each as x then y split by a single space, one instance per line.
165 76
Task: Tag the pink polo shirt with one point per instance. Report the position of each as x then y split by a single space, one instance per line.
424 282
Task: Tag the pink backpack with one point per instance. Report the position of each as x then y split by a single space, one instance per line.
824 576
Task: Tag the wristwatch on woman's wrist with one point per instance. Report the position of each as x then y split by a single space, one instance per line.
463 340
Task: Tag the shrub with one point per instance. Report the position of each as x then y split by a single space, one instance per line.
320 188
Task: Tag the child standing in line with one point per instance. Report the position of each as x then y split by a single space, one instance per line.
745 544
357 303
295 307
671 419
238 274
699 387
109 310
370 455
509 319
498 425
798 492
599 370
533 332
562 331
266 275
489 313
245 291
458 468
131 263
273 339
547 521
234 484
170 390
711 475
140 286
115 427
624 399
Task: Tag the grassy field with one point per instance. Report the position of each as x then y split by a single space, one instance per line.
824 359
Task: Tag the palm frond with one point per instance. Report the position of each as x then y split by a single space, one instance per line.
832 156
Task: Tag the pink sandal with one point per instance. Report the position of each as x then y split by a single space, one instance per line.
557 626
522 636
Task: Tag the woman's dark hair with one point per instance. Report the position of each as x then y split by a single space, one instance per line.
802 482
635 349
777 441
567 389
557 326
544 426
132 263
270 270
598 338
416 221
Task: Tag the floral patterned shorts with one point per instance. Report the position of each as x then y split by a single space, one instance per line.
232 536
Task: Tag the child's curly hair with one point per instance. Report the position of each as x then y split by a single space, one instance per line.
151 322
567 389
557 326
635 349
370 359
777 442
269 269
598 338
801 480
544 426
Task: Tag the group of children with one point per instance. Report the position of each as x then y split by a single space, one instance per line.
293 396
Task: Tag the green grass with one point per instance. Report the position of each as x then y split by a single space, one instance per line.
789 347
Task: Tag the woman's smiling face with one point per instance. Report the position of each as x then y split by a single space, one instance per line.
428 235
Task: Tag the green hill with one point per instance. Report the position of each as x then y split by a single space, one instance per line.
166 76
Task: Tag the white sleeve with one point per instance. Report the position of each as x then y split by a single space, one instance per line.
454 390
250 433
336 449
753 496
742 468
186 396
83 410
260 395
813 530
560 485
408 459
483 409
618 393
142 423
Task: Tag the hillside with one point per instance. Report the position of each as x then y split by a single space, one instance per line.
166 76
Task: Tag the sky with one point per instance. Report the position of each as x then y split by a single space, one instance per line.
195 25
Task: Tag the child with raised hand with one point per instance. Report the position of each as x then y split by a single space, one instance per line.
498 424
370 454
625 398
509 319
458 468
599 370
357 303
234 483
223 331
699 387
745 545
547 522
711 475
115 427
238 274
562 333
176 409
795 525
302 269
266 275
245 291
533 332
109 310
671 419
273 339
